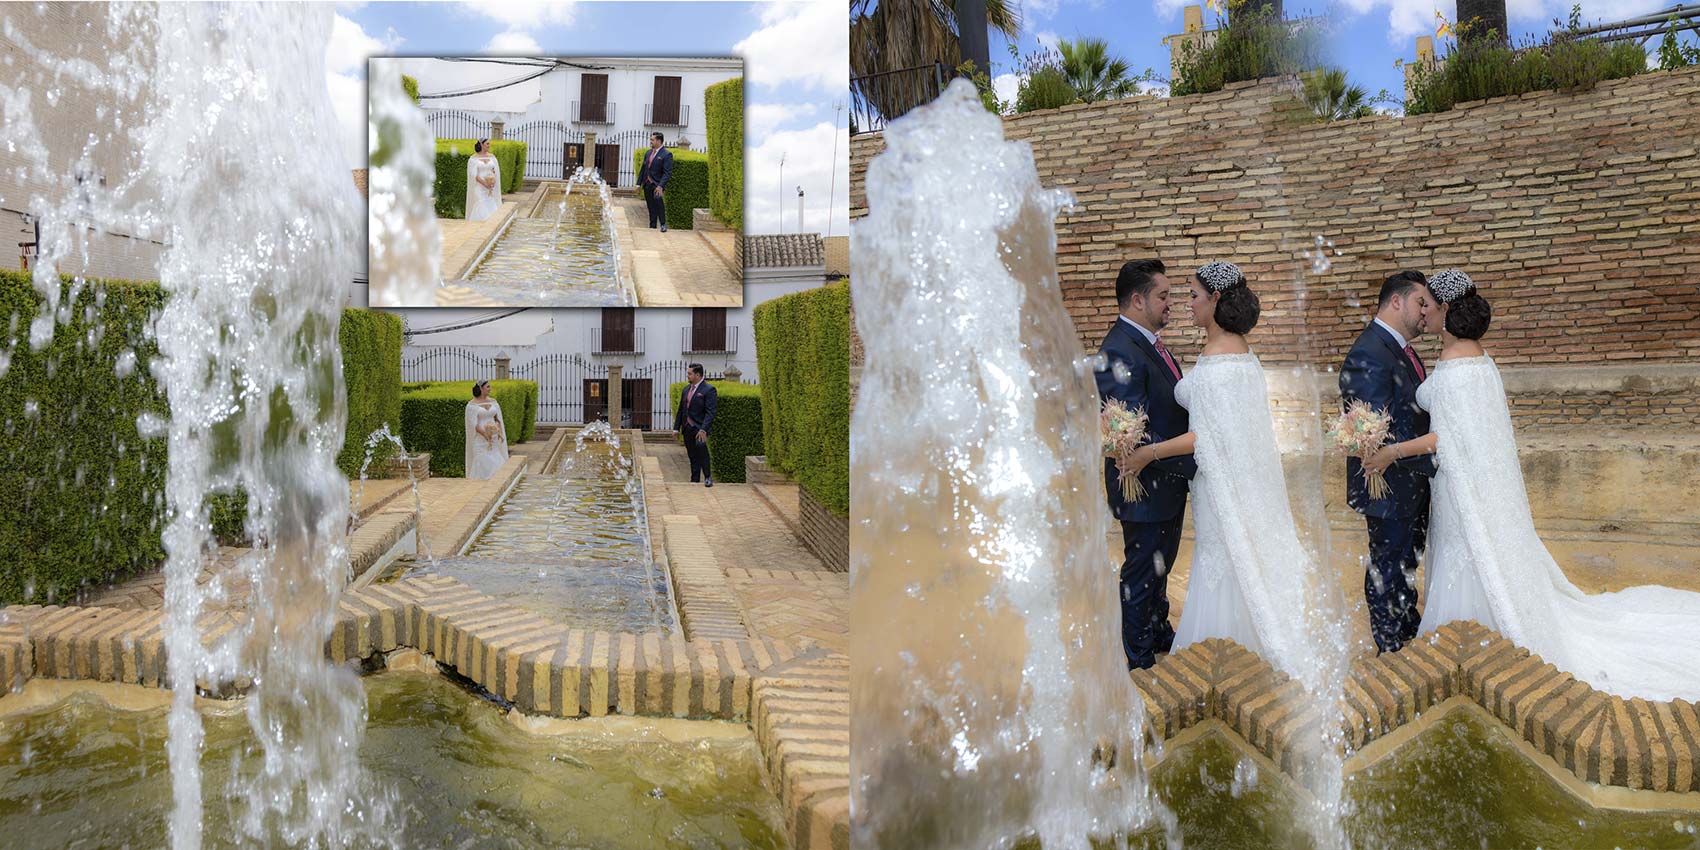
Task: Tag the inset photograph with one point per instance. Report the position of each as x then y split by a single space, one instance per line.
557 182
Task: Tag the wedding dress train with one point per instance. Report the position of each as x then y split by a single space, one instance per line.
1486 562
1252 581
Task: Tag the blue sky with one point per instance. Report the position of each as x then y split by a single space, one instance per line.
796 65
1369 35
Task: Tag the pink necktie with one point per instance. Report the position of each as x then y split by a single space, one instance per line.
1173 369
1411 353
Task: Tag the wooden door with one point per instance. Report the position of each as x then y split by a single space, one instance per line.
638 401
608 162
664 109
708 329
593 98
572 156
619 329
595 399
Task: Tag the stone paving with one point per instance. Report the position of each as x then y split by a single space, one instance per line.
679 268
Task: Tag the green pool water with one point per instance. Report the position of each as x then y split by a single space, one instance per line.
81 774
1459 784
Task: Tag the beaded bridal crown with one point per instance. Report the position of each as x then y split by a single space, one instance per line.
1220 276
1450 285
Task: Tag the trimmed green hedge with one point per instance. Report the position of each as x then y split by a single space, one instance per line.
371 373
736 432
803 357
452 155
411 86
433 418
724 105
688 188
89 490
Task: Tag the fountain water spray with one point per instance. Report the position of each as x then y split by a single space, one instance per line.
221 138
382 435
405 243
991 701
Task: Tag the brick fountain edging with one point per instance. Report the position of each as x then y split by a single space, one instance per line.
1599 738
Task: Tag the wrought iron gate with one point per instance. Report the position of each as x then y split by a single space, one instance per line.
456 124
545 147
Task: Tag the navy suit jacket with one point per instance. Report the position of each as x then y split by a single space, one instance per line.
1378 373
1150 385
700 410
659 170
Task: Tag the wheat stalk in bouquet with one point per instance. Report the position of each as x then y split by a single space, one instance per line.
1361 431
1123 432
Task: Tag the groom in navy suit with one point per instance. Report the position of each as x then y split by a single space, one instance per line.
657 169
1383 370
1140 372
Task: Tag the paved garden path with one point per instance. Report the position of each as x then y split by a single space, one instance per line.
679 268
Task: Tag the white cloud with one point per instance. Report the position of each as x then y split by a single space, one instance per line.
764 118
809 162
345 79
526 14
514 43
1048 39
1040 8
806 43
1005 87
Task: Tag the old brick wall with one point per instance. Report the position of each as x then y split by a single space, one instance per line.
1578 213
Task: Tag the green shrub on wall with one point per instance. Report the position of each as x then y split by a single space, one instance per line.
724 105
688 188
803 357
371 374
452 155
433 418
736 431
1480 69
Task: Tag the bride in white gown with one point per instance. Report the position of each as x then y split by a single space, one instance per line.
486 437
483 183
1252 581
1486 562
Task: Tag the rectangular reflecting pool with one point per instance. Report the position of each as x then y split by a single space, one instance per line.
83 774
558 252
571 545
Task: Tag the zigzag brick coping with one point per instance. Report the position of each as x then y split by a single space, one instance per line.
707 606
802 721
539 666
1600 738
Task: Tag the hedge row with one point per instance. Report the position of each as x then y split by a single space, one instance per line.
736 431
688 188
803 357
724 106
87 489
452 155
433 418
371 372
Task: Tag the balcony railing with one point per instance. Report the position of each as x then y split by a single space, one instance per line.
878 98
618 342
681 119
693 341
587 113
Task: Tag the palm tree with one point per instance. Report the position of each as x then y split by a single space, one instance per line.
1093 72
895 35
1330 98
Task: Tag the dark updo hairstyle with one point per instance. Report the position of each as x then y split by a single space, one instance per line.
1469 316
1237 307
1467 312
475 387
481 146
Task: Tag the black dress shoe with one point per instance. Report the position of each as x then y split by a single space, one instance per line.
663 228
708 482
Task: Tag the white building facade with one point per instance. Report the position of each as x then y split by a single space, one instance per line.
588 110
569 352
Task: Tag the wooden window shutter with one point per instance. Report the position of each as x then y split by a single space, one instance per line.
593 97
708 329
666 109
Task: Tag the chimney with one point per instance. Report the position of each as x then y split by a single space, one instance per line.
799 209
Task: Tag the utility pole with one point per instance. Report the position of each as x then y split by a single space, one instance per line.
832 194
782 194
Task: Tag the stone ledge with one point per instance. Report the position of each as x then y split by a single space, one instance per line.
825 535
707 606
801 716
1600 738
756 471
